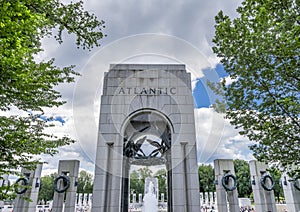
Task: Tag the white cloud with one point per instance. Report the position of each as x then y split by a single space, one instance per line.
71 152
229 80
217 139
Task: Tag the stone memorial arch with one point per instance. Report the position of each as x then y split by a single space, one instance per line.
146 118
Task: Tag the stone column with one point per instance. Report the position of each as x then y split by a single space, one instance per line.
211 199
215 197
184 177
291 193
264 200
90 200
223 167
201 198
140 198
162 197
70 169
134 199
108 180
77 198
215 201
85 199
206 199
34 181
80 199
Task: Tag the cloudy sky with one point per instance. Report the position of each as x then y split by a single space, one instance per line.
144 31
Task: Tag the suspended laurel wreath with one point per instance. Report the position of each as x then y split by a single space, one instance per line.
225 182
137 138
66 183
22 182
264 184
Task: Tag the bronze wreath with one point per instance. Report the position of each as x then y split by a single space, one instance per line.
263 182
25 184
225 180
66 182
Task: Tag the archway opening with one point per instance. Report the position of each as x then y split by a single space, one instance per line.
146 143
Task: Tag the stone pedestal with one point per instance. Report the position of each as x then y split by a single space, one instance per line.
70 169
263 200
211 199
146 99
291 193
215 198
223 167
34 181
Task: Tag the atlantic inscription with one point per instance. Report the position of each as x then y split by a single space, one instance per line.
146 91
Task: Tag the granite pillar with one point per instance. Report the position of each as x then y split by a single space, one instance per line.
223 167
291 189
67 199
264 200
34 181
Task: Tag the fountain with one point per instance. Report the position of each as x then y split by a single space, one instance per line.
150 197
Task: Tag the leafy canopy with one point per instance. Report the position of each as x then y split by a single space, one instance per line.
260 50
137 179
29 86
206 176
242 172
46 192
85 182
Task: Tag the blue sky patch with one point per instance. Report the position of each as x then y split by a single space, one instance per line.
203 95
56 118
201 98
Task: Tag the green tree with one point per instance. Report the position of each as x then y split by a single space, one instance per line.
145 172
161 175
206 178
85 182
278 191
260 50
136 183
29 86
47 191
242 172
137 179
